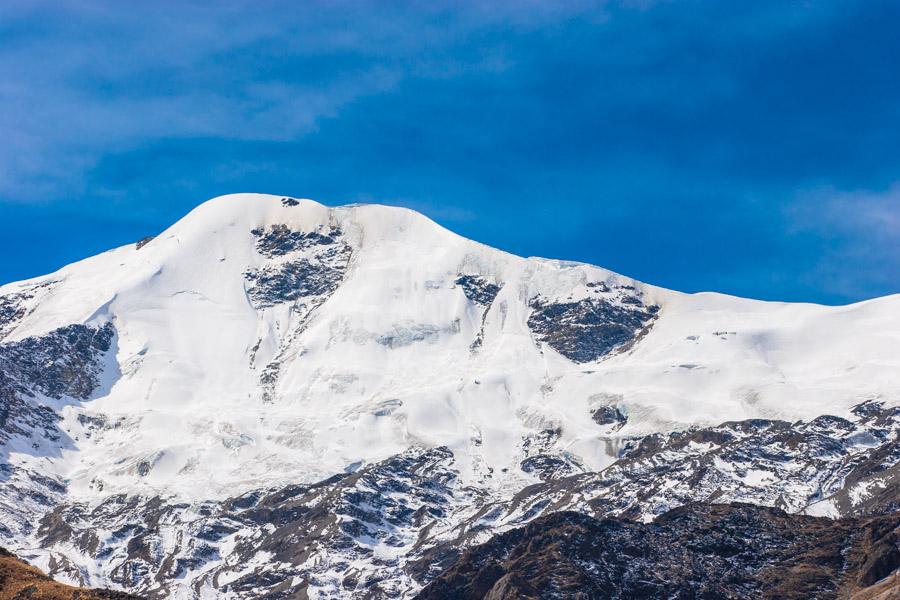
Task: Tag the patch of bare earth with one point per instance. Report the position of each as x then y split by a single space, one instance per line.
19 580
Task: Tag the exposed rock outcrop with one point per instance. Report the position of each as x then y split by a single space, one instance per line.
589 329
732 551
315 265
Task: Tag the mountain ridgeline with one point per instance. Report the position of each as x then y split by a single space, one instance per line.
278 399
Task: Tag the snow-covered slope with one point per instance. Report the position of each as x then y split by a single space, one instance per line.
265 341
397 354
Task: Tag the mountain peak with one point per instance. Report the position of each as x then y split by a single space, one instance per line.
260 333
268 343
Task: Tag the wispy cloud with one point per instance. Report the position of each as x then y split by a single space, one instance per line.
85 79
858 232
634 134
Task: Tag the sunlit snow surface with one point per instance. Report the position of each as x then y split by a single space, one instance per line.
209 396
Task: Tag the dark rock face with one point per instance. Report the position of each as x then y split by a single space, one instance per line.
289 202
878 472
11 310
346 514
544 459
291 281
609 415
696 551
480 292
589 329
853 465
478 289
65 362
284 532
13 307
18 416
546 466
319 262
280 240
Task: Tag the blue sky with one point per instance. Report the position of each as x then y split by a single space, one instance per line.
751 148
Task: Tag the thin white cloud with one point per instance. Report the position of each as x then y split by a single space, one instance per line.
860 233
86 79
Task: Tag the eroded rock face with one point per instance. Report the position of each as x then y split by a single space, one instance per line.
11 310
544 459
481 292
696 551
351 535
311 265
304 269
65 362
478 289
280 240
609 415
589 329
14 306
292 281
829 465
385 530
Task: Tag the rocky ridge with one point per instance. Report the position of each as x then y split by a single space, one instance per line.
734 551
389 528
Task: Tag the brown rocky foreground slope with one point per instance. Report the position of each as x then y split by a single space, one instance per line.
697 551
19 580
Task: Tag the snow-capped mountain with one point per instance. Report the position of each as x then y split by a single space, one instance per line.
275 396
